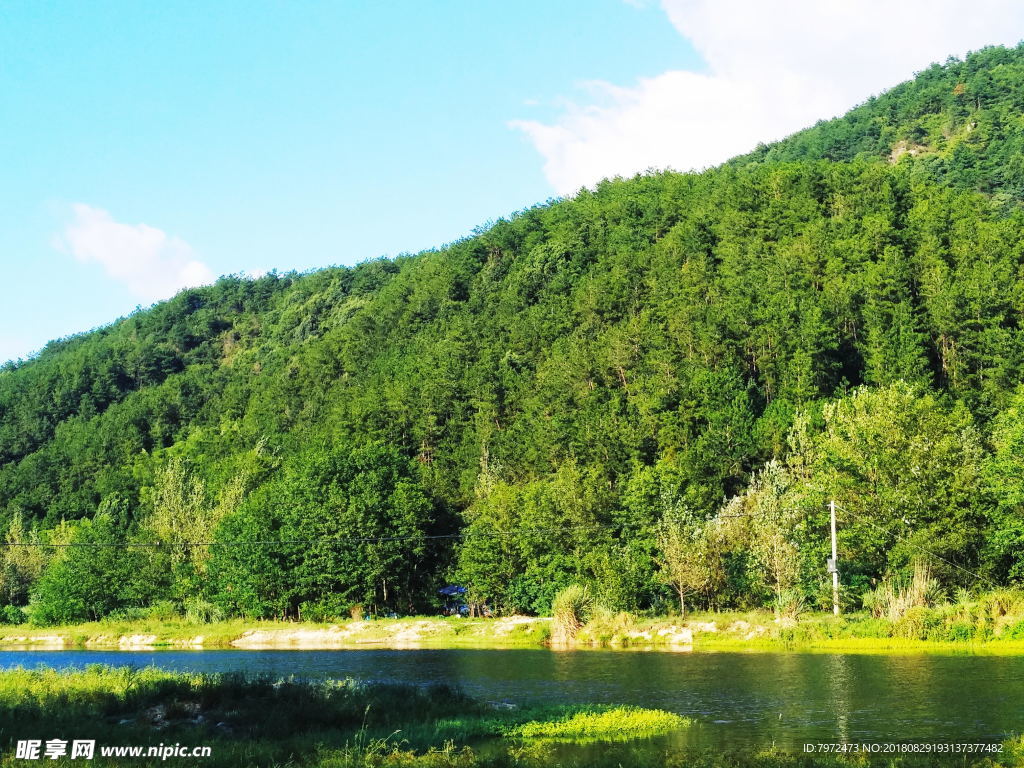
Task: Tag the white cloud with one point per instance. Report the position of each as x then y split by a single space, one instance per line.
150 263
773 67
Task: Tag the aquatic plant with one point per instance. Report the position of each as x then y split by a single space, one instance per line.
611 723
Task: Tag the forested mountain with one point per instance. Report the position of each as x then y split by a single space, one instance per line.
671 363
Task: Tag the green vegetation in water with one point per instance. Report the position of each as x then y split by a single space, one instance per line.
615 723
566 723
260 719
259 723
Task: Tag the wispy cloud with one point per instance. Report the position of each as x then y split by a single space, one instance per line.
150 263
773 67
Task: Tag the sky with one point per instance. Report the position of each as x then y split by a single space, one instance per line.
147 147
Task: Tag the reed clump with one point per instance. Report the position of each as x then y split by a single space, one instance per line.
895 598
570 611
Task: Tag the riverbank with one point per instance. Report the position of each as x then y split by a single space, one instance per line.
735 631
414 632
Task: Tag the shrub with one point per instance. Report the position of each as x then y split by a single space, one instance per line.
12 614
1000 602
869 627
918 622
1015 631
200 611
608 627
790 604
963 597
328 608
163 610
959 631
869 600
123 614
611 723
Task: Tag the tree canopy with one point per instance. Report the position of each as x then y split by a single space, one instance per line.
834 315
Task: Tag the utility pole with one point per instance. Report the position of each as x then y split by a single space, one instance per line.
833 564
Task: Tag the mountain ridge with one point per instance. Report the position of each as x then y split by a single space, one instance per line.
617 362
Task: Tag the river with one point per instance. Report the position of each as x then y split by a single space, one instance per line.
736 699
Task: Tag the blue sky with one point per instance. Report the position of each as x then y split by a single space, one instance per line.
146 146
278 135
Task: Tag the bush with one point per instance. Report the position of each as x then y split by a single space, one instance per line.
959 631
329 608
123 614
999 602
919 623
1015 631
163 610
867 626
895 598
983 631
790 604
12 614
607 627
200 611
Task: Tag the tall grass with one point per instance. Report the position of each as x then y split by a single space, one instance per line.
895 597
570 610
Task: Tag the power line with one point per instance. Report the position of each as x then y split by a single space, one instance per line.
182 544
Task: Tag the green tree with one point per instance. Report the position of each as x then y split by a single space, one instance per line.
95 573
906 470
689 558
353 527
21 562
1004 479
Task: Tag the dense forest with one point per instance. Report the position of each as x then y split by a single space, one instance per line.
653 388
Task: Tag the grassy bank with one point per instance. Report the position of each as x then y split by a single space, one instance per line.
346 724
990 624
760 630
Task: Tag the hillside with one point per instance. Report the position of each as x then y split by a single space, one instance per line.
576 390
